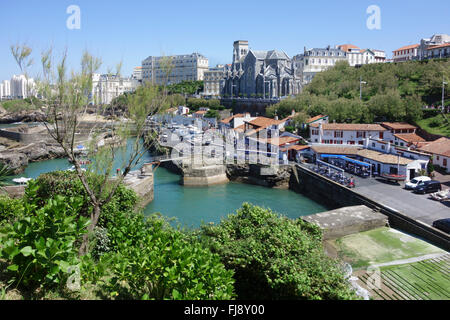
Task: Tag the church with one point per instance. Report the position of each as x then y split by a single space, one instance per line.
257 74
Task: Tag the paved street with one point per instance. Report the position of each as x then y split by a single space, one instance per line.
417 206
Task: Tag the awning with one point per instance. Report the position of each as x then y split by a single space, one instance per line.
356 161
331 156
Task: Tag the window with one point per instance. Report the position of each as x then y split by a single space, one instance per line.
338 134
315 132
381 135
360 134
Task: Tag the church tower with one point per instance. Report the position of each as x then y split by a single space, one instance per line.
240 50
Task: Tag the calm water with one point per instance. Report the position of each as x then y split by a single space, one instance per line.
193 205
190 206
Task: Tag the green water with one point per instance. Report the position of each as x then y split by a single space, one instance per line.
193 205
190 206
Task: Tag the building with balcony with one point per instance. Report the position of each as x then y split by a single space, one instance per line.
316 60
214 80
405 53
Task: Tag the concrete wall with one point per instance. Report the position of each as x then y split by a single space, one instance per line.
25 138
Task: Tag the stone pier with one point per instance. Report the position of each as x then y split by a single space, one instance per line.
348 220
204 175
141 182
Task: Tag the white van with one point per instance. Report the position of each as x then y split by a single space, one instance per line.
416 182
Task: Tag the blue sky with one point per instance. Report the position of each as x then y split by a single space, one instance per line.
132 30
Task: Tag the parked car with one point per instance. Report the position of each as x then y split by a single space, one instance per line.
416 182
428 186
442 224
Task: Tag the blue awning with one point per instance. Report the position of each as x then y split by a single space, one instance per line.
331 156
356 161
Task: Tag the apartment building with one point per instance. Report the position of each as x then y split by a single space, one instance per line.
174 69
345 133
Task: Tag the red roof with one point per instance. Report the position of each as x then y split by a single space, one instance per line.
320 116
440 146
350 126
413 46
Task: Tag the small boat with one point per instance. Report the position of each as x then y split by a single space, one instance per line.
393 177
21 180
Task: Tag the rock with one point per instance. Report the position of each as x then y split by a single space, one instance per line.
23 116
14 160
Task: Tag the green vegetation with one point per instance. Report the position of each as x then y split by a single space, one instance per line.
212 114
435 125
251 254
195 104
22 104
393 92
130 256
275 257
185 87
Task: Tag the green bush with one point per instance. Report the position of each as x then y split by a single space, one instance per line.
67 184
275 257
155 261
10 209
41 246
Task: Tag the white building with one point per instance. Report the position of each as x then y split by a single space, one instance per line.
21 87
317 60
137 73
174 69
345 133
440 150
436 41
214 81
105 87
359 57
5 90
405 53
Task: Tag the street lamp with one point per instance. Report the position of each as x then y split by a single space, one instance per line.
443 88
360 87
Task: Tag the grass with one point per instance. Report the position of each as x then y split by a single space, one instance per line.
380 246
423 280
436 125
21 105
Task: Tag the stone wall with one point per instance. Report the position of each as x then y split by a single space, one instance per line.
267 176
204 176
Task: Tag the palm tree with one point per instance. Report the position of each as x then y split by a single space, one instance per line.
5 171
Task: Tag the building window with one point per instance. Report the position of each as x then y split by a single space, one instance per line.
338 134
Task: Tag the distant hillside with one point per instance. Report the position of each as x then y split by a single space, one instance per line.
393 92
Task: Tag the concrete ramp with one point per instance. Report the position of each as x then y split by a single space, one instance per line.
348 220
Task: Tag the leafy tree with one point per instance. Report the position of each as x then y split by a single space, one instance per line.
67 98
275 257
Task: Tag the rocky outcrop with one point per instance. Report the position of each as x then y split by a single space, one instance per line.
17 159
23 116
267 176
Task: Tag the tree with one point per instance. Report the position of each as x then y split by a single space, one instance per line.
66 99
274 257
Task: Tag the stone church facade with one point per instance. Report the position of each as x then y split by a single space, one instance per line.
253 74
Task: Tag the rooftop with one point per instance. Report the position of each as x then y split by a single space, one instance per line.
350 126
398 125
413 46
440 146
